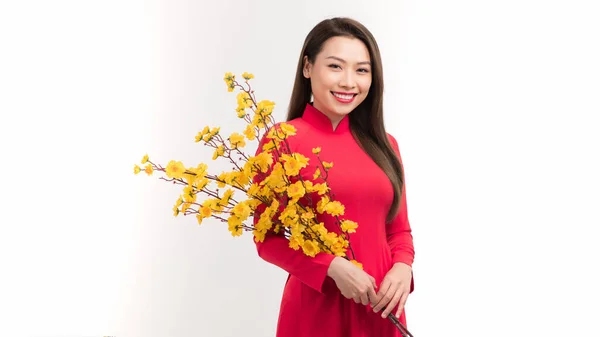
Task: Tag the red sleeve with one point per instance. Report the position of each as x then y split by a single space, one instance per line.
275 249
399 233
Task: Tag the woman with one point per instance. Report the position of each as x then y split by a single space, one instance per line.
340 68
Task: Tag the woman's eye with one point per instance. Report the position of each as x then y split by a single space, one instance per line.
333 66
363 70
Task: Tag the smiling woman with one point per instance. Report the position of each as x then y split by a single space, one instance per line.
336 103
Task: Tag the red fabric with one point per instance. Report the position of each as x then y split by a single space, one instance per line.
311 304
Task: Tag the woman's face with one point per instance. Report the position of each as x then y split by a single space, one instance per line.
340 76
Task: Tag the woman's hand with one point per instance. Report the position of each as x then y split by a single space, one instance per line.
353 282
394 289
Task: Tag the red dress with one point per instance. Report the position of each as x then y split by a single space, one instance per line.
312 305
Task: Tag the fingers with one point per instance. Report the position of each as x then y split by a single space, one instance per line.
402 302
386 292
392 304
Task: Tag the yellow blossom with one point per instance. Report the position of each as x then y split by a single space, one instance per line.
317 173
241 210
294 163
249 132
296 190
226 197
264 223
136 169
205 211
235 225
264 108
322 204
258 121
247 76
308 215
237 140
310 248
145 159
241 111
327 165
295 242
334 208
229 77
316 150
202 133
199 219
175 169
149 169
287 129
263 160
349 226
244 100
259 236
321 188
219 151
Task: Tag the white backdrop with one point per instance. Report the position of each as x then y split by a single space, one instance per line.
494 105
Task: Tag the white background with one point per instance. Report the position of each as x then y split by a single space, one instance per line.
495 105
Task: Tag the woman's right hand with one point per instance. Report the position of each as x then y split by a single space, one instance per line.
353 282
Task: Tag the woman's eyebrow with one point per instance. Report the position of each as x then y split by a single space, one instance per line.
342 60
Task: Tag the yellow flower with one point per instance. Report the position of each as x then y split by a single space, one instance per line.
219 151
175 169
230 86
316 150
276 179
334 208
237 140
287 129
188 194
229 76
294 163
264 108
273 144
235 225
295 242
244 100
264 222
241 210
145 159
317 173
149 169
310 248
356 263
296 190
321 188
322 204
205 211
327 165
349 226
241 111
247 76
175 210
226 197
136 169
308 215
263 160
259 236
202 133
199 218
249 132
258 121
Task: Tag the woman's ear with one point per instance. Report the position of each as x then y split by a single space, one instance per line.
306 67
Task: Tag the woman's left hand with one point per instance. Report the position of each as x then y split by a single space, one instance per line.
394 290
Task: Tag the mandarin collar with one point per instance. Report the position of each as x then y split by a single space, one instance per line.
320 121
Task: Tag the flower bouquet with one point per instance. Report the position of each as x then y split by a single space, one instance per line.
264 192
